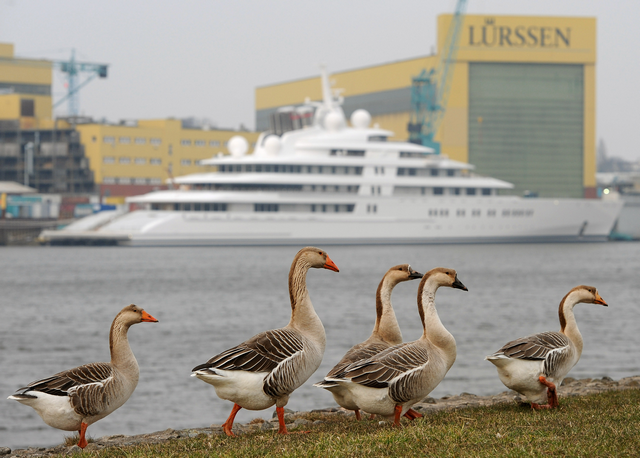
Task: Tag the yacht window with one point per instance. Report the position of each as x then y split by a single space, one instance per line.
197 207
506 212
491 213
276 168
377 138
356 153
434 172
444 212
475 213
451 172
258 167
358 170
176 207
313 207
455 191
249 167
375 209
376 170
333 170
471 191
486 191
324 208
423 191
382 170
320 169
460 212
186 207
438 191
336 208
265 207
412 172
433 212
267 168
308 169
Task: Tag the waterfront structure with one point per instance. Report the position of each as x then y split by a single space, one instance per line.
318 181
521 106
80 155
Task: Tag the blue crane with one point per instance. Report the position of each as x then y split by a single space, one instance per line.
430 89
73 70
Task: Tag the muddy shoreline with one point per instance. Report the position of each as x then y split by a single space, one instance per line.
570 387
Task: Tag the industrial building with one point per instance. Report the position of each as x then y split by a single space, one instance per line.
78 155
521 106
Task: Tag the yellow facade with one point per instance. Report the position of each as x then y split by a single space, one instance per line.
483 38
151 151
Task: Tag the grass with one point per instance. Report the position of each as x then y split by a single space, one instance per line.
605 424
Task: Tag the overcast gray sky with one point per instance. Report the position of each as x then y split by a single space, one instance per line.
204 58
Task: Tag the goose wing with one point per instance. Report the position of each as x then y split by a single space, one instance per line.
551 347
261 353
387 367
84 385
358 353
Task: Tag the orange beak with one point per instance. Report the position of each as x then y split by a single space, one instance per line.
331 265
600 300
148 318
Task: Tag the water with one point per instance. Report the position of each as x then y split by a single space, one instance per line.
57 304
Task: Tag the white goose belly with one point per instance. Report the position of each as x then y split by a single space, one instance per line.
242 387
376 400
55 411
343 397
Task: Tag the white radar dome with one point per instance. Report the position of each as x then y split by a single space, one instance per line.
333 121
272 145
238 146
360 119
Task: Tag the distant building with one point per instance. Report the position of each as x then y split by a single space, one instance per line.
521 106
82 156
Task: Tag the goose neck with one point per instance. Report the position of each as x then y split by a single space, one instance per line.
433 329
121 355
303 316
568 323
386 326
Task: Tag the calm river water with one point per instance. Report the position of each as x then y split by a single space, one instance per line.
57 304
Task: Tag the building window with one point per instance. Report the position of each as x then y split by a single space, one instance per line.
214 143
108 139
155 142
140 141
200 143
124 180
140 161
27 108
155 181
108 160
185 142
155 161
265 207
140 181
94 139
471 191
124 140
108 180
185 162
124 160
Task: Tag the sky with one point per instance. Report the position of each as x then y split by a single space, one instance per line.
204 58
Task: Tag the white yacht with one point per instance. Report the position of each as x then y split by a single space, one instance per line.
313 180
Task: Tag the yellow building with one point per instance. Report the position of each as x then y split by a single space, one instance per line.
521 105
78 155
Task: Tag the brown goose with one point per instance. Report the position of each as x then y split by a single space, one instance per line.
534 364
74 399
267 368
386 333
390 382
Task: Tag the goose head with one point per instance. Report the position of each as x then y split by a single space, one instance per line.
317 258
402 272
132 314
443 276
589 295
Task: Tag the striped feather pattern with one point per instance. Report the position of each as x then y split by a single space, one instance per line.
358 353
537 346
391 368
262 353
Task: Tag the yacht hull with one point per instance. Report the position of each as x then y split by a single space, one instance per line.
396 221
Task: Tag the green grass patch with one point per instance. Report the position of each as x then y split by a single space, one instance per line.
605 424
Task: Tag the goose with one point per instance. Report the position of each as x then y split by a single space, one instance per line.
392 381
76 398
267 368
537 363
386 333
